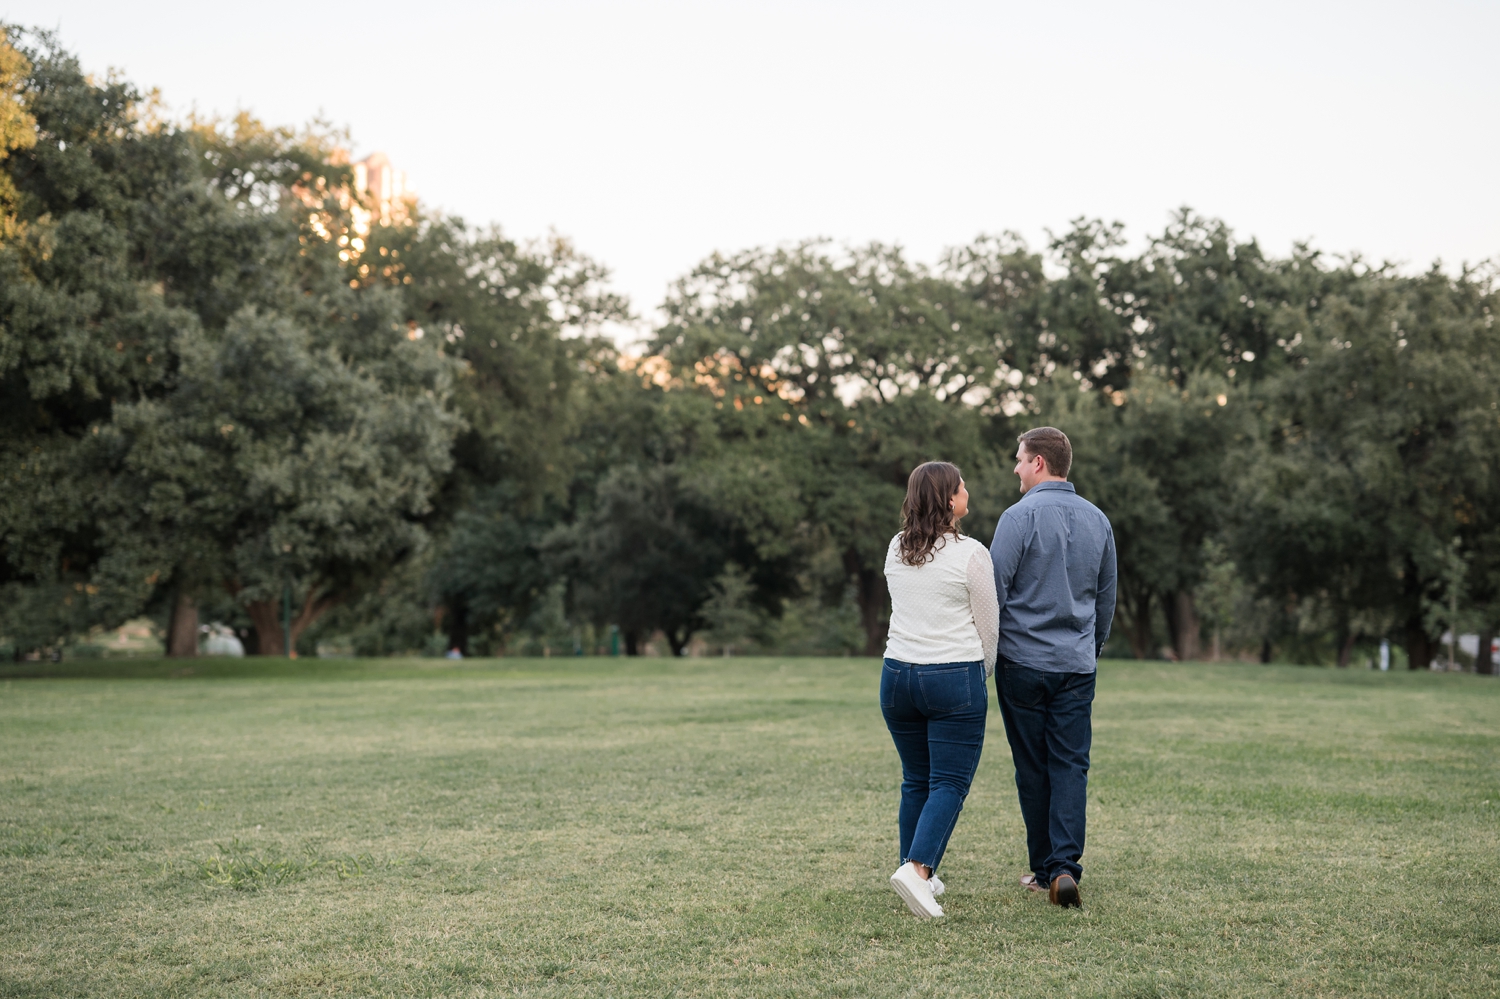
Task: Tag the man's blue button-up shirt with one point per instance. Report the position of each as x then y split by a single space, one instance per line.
1054 556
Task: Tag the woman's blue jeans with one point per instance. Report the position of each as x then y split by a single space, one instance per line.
936 714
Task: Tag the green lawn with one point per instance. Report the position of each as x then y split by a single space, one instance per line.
599 827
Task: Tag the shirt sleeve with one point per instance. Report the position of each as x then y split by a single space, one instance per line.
1005 553
984 606
1104 594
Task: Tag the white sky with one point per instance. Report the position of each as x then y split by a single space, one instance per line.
653 134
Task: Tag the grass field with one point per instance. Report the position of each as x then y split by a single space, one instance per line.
598 827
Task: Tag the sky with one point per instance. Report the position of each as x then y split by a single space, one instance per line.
653 134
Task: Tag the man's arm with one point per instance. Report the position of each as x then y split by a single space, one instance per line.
1005 552
1104 594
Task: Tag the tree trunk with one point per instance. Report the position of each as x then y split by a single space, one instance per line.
270 638
1420 647
1143 640
1169 618
458 627
874 603
677 642
1346 647
1134 618
313 607
1183 619
265 615
1265 652
1484 662
182 628
632 643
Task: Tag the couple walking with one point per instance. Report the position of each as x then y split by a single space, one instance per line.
1033 611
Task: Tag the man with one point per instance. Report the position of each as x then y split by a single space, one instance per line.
1054 558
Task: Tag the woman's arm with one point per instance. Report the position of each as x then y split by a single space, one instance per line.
984 605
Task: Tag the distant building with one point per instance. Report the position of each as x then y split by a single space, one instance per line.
383 186
378 194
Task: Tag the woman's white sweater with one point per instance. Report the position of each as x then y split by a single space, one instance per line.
945 610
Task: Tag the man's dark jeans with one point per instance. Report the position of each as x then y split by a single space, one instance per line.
936 716
1049 722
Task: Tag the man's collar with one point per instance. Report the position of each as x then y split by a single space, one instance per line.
1064 485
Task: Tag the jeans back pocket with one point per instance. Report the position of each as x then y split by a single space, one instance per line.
1024 687
945 690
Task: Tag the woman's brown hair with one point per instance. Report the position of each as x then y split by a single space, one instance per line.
927 514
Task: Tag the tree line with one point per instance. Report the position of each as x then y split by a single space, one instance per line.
231 394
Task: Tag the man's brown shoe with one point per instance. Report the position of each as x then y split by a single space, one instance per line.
1064 892
1028 881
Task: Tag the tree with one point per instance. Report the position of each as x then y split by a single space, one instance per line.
490 571
645 556
277 463
834 375
17 125
1158 460
1383 455
1196 318
213 398
523 320
731 618
82 323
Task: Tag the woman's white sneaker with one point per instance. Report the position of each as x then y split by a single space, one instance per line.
937 885
915 892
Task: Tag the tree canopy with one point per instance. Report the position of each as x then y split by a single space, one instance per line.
231 384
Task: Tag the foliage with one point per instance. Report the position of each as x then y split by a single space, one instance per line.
210 402
832 376
17 125
1382 454
279 461
730 617
229 381
645 556
81 325
524 321
1161 460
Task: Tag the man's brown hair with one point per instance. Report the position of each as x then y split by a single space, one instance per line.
1052 445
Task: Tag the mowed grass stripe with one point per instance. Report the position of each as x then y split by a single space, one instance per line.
725 827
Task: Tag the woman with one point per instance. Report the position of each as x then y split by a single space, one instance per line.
945 624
